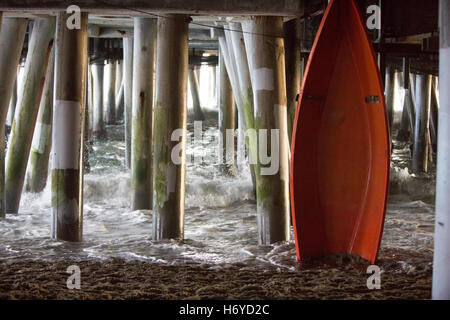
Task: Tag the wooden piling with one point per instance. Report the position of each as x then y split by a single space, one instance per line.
241 124
441 271
120 101
292 52
109 92
406 130
87 135
266 60
67 139
391 88
408 118
170 128
235 41
27 108
128 95
119 91
421 141
40 148
142 113
11 108
225 101
434 113
195 94
98 126
119 76
12 35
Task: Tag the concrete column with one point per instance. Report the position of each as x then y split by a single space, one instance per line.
170 128
41 145
109 92
194 86
128 94
226 120
27 109
292 52
266 60
142 113
421 139
441 270
12 35
98 127
67 140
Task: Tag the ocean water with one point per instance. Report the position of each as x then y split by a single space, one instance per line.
220 219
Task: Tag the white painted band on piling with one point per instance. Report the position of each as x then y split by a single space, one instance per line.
263 79
66 135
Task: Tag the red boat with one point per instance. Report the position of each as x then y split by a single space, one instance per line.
340 148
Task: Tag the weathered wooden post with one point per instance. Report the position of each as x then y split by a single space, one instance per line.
194 86
170 128
266 61
237 45
87 135
421 139
225 102
119 91
15 93
98 126
67 140
407 130
142 113
12 35
434 111
119 76
292 50
441 271
27 107
407 121
12 108
241 124
128 94
120 101
391 88
225 51
41 144
109 94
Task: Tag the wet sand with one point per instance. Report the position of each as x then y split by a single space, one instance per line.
338 277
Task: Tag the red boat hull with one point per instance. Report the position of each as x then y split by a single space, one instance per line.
340 148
